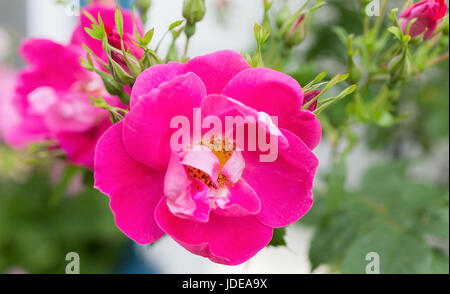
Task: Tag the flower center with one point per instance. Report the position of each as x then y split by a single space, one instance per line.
223 150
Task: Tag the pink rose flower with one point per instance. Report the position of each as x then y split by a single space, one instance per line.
52 98
52 101
107 13
428 14
218 203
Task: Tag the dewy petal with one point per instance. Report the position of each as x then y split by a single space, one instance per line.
306 126
154 76
241 200
225 240
284 186
134 189
266 90
217 69
147 129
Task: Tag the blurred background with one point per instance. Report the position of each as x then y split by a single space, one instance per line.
381 187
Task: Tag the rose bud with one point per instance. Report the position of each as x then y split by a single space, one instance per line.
427 14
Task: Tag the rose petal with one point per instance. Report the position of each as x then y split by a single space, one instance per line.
266 90
284 186
224 240
134 189
147 129
306 126
240 200
153 77
183 198
217 69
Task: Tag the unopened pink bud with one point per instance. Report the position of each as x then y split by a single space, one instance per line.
114 41
428 13
308 96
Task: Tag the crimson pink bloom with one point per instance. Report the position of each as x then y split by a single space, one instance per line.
107 13
219 204
52 101
428 14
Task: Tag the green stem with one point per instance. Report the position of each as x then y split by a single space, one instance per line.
160 41
186 48
380 18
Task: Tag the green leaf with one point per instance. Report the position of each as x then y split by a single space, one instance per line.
333 238
341 33
399 252
92 33
440 262
119 21
278 237
175 24
149 36
316 80
82 223
389 214
336 185
90 16
396 32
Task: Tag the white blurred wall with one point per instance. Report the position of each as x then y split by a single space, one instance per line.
46 19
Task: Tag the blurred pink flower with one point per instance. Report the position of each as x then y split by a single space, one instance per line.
428 14
52 97
52 101
218 203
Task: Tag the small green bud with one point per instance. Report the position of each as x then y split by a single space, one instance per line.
267 5
400 67
134 66
189 30
194 10
354 71
127 61
120 74
262 34
144 5
294 30
111 85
